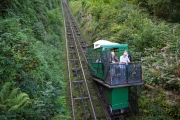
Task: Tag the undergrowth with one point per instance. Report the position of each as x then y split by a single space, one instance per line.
31 60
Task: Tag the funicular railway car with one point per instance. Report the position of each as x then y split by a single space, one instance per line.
113 79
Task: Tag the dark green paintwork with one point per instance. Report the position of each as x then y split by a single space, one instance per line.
116 97
97 70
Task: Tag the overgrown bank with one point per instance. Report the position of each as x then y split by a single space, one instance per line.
32 59
153 41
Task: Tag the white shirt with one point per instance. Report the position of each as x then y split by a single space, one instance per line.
124 59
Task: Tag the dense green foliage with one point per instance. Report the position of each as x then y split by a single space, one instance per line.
31 74
158 105
166 9
152 41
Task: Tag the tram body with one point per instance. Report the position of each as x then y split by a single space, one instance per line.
114 79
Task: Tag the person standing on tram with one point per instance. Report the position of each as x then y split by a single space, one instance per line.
124 58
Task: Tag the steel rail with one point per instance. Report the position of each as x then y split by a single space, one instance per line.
68 63
94 114
77 41
80 44
79 58
80 89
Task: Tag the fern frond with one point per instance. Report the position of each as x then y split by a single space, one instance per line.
13 99
20 98
14 93
13 108
22 104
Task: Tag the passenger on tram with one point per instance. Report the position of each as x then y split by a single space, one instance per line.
114 59
124 58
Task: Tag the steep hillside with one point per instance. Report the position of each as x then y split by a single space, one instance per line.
32 61
153 41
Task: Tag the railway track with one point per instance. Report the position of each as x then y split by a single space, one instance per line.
84 101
